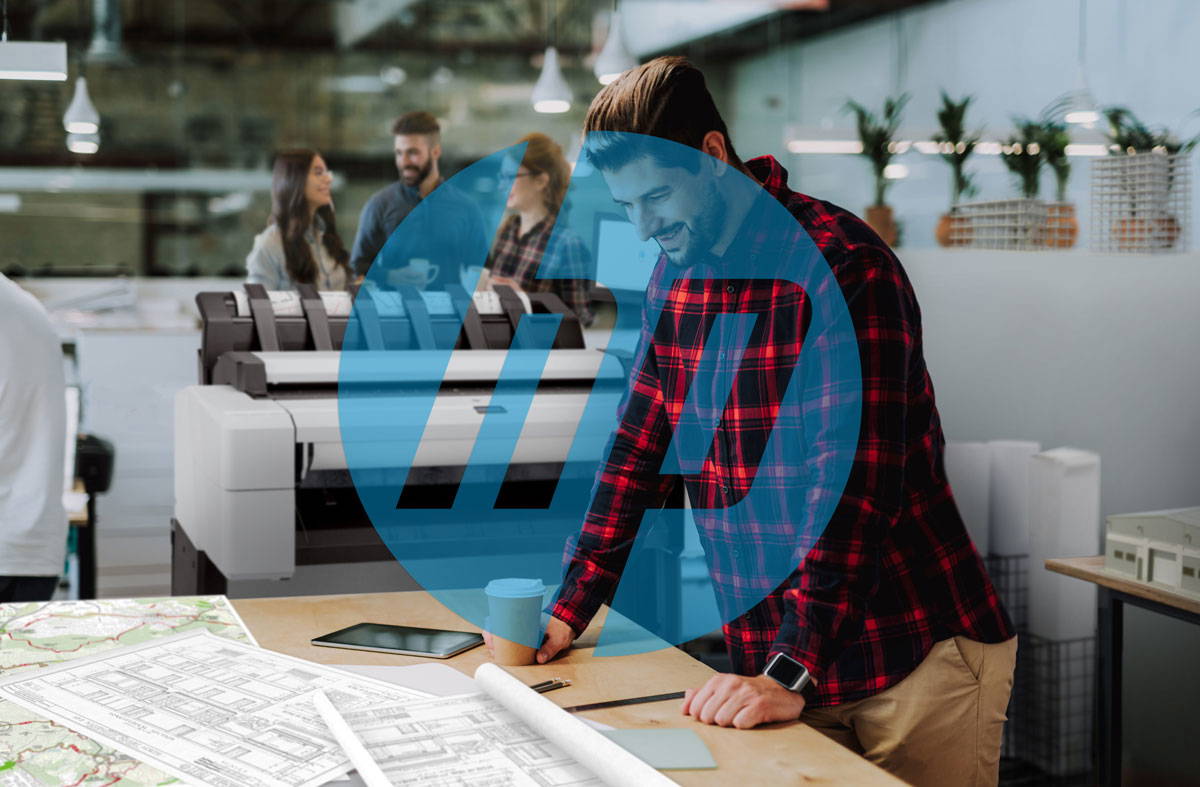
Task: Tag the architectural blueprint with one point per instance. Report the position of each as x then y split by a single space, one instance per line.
467 739
37 752
206 709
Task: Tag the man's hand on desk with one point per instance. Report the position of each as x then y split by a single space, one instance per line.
738 701
558 638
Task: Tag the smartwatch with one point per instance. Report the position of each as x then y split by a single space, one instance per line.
791 674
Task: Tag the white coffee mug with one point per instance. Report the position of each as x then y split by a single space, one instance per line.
424 268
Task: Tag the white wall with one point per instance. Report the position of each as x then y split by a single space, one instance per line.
1014 56
1092 351
1096 352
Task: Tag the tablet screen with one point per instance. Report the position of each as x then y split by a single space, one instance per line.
439 643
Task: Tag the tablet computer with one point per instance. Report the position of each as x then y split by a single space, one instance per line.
406 640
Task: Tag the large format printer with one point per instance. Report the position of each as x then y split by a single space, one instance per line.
261 480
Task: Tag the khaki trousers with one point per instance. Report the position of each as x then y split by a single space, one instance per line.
941 725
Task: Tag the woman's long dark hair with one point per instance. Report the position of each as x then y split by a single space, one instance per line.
289 212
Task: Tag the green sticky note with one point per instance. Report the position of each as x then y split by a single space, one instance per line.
666 750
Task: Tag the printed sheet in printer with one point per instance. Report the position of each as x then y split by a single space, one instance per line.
204 708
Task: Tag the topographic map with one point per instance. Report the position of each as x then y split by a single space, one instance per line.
39 752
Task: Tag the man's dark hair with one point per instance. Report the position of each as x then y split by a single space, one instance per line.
419 122
665 98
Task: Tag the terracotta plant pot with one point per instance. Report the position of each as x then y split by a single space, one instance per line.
953 230
1062 228
1145 234
1168 230
880 219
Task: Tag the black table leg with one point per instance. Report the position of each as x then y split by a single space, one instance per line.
1108 738
85 551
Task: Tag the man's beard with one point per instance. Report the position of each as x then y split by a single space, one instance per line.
422 173
703 232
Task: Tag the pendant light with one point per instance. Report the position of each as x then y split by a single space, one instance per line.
81 116
35 60
1079 106
614 58
551 93
86 144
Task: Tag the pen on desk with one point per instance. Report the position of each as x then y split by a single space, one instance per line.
675 695
550 685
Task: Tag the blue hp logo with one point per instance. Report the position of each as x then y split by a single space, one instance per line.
687 459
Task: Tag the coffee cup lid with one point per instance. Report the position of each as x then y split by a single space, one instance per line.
514 587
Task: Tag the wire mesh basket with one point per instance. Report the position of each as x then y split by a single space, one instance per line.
1051 711
1141 203
1011 224
1048 737
1010 577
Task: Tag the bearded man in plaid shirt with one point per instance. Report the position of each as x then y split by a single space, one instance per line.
908 646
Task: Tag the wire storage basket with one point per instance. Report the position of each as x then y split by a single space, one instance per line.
1051 711
1048 739
1010 224
1010 577
1142 203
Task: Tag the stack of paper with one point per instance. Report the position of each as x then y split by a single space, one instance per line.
1064 506
969 470
1009 496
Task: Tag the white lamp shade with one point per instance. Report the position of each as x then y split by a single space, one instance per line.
551 94
36 60
86 144
81 116
614 58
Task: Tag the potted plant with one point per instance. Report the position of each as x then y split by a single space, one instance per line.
1022 154
955 146
878 142
1141 170
1062 227
1022 221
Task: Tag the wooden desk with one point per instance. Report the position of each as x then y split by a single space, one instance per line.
1115 591
779 754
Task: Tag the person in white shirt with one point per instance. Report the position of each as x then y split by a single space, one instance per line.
301 244
33 523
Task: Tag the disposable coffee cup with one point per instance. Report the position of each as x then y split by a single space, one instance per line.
515 619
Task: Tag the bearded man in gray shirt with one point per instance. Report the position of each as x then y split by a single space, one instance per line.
418 149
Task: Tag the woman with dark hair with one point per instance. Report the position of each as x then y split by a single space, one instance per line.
528 237
300 244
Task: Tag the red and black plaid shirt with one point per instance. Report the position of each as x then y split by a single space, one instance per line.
519 257
894 571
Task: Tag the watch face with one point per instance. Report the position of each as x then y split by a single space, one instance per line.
786 670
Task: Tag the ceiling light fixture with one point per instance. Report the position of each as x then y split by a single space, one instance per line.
614 58
1078 107
551 94
86 144
847 147
81 116
36 60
